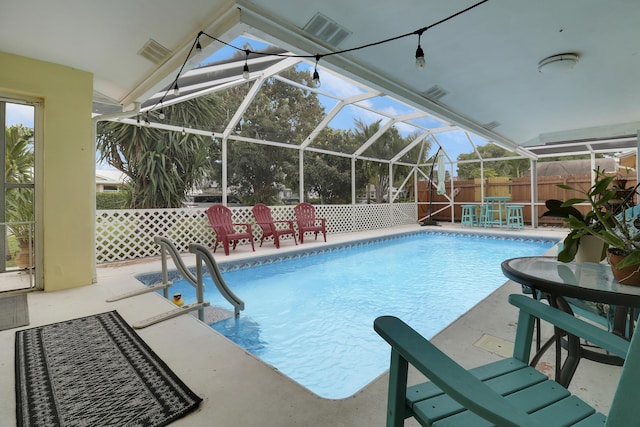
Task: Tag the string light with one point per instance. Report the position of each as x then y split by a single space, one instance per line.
138 121
315 81
420 61
245 69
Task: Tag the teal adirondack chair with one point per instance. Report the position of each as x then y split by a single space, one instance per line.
504 393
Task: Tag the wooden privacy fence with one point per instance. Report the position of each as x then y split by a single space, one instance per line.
518 189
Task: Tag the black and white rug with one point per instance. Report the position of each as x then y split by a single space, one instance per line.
94 371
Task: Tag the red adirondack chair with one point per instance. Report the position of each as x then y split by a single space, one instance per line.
262 214
220 220
307 221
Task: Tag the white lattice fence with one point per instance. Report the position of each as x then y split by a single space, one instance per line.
126 234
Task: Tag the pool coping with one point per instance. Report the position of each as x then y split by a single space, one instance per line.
295 253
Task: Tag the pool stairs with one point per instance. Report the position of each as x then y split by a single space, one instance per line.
203 255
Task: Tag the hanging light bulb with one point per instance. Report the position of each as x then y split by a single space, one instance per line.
245 69
315 81
146 120
198 46
138 121
184 132
176 89
420 61
161 115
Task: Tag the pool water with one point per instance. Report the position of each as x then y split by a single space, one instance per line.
312 317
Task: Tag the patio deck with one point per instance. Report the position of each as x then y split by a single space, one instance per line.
239 389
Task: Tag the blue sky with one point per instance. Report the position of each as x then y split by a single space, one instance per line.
19 114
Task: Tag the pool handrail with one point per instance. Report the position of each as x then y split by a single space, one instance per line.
204 254
167 246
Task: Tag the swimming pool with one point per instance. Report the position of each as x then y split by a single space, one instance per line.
311 316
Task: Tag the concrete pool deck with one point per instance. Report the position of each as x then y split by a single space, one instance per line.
239 389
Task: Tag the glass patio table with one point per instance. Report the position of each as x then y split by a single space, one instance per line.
560 281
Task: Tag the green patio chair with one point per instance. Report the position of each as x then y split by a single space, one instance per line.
504 393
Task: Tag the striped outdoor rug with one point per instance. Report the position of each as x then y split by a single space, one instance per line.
94 371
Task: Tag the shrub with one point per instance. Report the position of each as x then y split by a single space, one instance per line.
110 201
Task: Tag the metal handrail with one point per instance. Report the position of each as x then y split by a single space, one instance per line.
204 254
168 247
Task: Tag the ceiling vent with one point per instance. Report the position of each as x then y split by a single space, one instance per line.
491 125
435 92
154 51
326 30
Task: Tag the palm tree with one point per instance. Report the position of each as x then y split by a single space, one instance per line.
385 147
19 162
162 167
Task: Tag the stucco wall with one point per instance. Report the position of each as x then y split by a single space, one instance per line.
66 164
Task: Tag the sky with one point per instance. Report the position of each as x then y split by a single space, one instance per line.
19 114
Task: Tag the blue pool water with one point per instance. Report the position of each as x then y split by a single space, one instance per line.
311 317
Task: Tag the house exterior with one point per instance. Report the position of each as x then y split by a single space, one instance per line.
109 180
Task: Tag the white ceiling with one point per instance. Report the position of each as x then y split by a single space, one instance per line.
485 59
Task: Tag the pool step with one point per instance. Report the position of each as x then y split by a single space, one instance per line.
213 314
170 314
141 291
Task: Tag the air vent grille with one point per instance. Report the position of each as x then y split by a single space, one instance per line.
435 92
491 125
326 30
154 51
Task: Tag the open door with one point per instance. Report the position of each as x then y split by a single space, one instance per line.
17 181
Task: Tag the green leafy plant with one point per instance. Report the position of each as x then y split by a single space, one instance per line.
619 232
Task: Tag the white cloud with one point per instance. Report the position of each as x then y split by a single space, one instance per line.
19 114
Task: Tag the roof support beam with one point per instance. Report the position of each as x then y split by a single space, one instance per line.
224 21
334 111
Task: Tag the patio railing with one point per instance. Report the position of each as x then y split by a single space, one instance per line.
126 234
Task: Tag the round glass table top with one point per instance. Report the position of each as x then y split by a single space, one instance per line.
588 281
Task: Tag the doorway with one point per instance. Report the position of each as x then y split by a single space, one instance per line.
17 180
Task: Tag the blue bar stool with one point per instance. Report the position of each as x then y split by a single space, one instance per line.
483 218
514 217
469 215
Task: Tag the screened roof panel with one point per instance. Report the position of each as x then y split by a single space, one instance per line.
344 107
427 122
455 143
387 106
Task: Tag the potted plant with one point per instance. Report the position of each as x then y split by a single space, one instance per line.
620 233
577 244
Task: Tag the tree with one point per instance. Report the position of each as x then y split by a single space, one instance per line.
385 147
162 167
19 163
279 112
19 156
326 175
511 168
